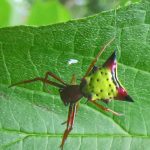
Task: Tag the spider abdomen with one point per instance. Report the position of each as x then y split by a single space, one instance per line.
99 85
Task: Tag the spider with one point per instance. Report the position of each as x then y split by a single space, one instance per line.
98 83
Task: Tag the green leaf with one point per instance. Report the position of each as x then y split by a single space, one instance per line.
48 12
31 118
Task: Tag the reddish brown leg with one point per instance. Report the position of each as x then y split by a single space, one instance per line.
98 55
73 80
70 122
54 76
39 79
77 107
106 109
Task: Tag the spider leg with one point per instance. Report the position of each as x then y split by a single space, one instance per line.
106 109
70 122
38 79
98 55
73 80
77 107
54 76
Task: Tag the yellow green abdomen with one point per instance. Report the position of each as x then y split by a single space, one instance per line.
100 85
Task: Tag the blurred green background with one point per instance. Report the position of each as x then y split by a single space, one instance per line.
44 12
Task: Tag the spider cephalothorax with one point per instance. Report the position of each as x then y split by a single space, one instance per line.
70 94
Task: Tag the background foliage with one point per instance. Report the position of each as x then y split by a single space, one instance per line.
44 12
31 118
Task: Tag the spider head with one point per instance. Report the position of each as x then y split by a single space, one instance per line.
70 94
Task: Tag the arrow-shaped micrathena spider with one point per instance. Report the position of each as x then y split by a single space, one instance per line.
98 83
